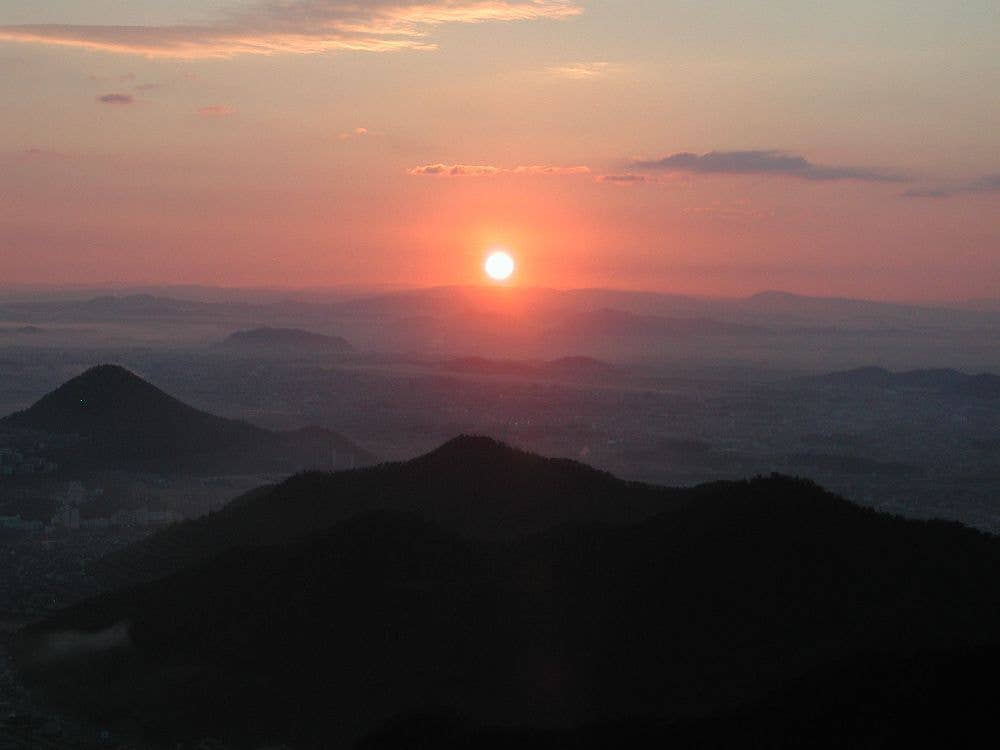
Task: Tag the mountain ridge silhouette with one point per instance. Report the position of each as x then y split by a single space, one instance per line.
125 422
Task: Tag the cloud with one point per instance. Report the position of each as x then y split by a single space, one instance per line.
929 193
149 86
295 26
486 170
988 184
583 71
356 133
777 163
624 179
536 169
116 99
216 110
454 170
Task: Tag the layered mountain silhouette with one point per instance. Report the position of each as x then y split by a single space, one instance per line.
284 341
120 421
316 626
943 380
473 485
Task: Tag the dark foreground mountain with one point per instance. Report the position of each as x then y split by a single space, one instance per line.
473 485
734 604
924 699
283 341
942 380
109 418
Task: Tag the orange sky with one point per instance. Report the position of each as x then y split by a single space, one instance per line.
847 150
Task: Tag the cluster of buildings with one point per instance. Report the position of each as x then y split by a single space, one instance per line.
69 517
14 462
16 523
126 517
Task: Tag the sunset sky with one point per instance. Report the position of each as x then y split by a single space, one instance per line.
834 148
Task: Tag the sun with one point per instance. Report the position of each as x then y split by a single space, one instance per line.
499 265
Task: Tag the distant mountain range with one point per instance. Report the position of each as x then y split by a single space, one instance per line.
105 307
766 309
283 341
618 323
138 308
953 382
516 591
119 421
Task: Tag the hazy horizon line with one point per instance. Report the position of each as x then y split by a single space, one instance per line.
390 288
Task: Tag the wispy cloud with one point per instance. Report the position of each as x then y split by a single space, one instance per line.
486 170
216 110
355 133
536 169
116 99
624 179
778 163
295 26
585 71
453 170
988 184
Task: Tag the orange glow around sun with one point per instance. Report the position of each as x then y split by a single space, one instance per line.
499 265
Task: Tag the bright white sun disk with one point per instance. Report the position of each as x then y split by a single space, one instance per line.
499 265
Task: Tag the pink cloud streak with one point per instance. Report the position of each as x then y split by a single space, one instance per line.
294 26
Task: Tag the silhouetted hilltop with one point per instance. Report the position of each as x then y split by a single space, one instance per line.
743 591
108 398
283 341
943 380
473 485
124 422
